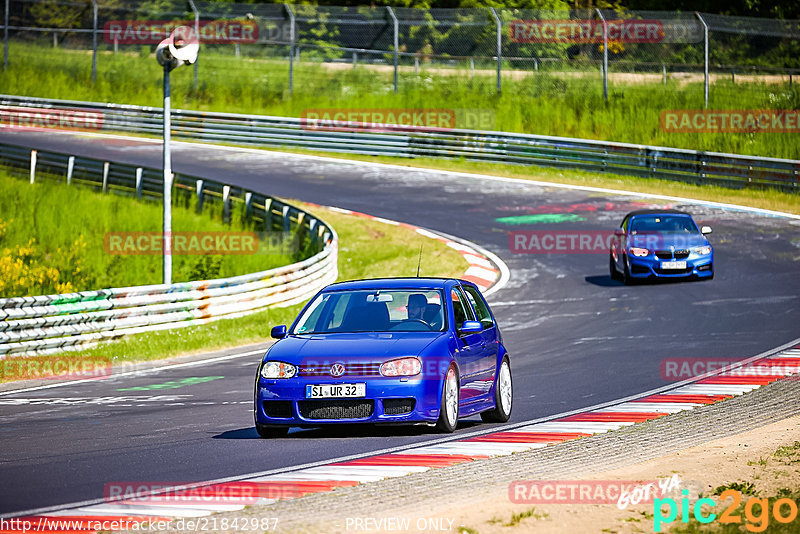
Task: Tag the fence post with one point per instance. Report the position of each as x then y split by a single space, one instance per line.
605 54
70 168
291 46
5 37
248 204
197 33
705 59
396 43
33 166
268 214
105 176
200 195
139 184
94 41
226 204
499 47
287 221
664 74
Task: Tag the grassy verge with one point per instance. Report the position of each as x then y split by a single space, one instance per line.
53 239
366 249
540 103
776 481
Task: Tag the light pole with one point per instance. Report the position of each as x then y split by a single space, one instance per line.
180 48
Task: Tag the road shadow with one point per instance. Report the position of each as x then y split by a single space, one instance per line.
603 280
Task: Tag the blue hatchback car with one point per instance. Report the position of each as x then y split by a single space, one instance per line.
658 244
397 350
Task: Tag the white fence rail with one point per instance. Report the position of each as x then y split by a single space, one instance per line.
51 323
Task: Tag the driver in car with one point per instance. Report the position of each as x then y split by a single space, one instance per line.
417 303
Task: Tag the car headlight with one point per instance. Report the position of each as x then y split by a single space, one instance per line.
401 367
278 370
636 251
703 251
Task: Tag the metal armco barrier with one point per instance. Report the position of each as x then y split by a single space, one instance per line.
50 323
730 170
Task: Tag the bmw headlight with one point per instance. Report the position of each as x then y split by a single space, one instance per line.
636 251
702 251
278 370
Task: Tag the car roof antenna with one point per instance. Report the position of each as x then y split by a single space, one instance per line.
420 258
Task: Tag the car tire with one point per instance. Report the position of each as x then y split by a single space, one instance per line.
448 408
271 432
626 274
612 268
503 396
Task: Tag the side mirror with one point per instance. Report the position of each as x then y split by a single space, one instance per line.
470 327
278 332
705 230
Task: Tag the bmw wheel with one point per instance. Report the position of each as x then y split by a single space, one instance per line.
503 396
612 268
448 411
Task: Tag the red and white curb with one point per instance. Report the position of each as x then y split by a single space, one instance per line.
207 498
485 270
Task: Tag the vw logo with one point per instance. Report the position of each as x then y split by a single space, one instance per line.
337 369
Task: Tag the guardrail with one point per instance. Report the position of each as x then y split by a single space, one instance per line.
50 323
730 170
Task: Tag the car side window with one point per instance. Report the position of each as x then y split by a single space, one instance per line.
480 307
460 310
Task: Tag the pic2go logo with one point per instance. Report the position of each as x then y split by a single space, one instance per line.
756 511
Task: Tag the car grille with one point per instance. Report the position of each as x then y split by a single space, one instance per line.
351 369
659 270
278 409
336 408
668 254
398 406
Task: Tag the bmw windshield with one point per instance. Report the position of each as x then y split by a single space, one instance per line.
663 224
373 311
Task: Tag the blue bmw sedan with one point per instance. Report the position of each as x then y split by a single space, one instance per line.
658 244
397 350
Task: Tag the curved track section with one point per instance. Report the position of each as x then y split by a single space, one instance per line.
577 338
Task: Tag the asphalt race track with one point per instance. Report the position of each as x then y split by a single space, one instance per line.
576 337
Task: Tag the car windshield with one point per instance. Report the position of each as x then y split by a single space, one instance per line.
406 310
663 224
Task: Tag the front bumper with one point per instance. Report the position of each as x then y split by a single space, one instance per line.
387 400
651 267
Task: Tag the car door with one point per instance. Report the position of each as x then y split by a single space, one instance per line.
469 351
489 345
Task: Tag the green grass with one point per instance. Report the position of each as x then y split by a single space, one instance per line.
53 240
542 103
366 249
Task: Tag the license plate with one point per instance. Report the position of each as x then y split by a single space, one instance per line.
673 264
324 391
